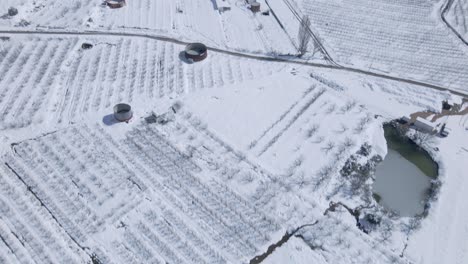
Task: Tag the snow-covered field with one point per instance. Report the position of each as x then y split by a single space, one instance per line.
225 157
237 29
134 198
442 238
404 38
53 78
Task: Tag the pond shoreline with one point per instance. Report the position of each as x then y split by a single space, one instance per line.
416 158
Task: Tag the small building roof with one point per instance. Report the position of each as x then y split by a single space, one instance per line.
223 4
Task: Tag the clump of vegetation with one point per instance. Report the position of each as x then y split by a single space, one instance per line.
358 173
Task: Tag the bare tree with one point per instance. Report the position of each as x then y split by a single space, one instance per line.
363 122
312 130
330 145
303 36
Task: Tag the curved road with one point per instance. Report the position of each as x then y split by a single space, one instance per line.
443 13
233 53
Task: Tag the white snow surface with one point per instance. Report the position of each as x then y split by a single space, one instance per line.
442 238
254 151
404 38
295 251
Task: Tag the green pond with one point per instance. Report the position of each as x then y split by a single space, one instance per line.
403 179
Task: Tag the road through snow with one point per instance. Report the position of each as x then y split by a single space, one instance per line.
233 53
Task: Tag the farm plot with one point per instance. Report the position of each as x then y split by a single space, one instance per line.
28 233
295 125
315 122
251 107
54 79
190 20
403 38
299 192
338 241
290 207
28 71
299 146
54 14
457 16
129 199
132 69
237 28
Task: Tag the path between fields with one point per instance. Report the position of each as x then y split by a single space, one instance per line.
285 59
443 13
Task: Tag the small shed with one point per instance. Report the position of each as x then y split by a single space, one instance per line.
223 5
115 3
255 7
424 125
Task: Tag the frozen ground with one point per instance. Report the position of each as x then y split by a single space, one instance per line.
252 149
442 238
47 79
405 38
237 29
105 194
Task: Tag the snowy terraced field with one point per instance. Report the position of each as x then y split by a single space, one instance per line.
136 198
303 138
56 14
405 38
68 82
457 16
237 29
292 196
307 117
131 69
28 70
226 158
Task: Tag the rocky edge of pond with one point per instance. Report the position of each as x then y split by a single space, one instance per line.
359 175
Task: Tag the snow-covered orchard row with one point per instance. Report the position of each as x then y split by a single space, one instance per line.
48 78
132 199
402 38
238 29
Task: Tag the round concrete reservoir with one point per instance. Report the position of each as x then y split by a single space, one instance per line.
196 51
115 3
123 112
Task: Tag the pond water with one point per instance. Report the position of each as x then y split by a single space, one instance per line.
403 179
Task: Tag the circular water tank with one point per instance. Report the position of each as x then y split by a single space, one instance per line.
196 51
115 3
123 112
